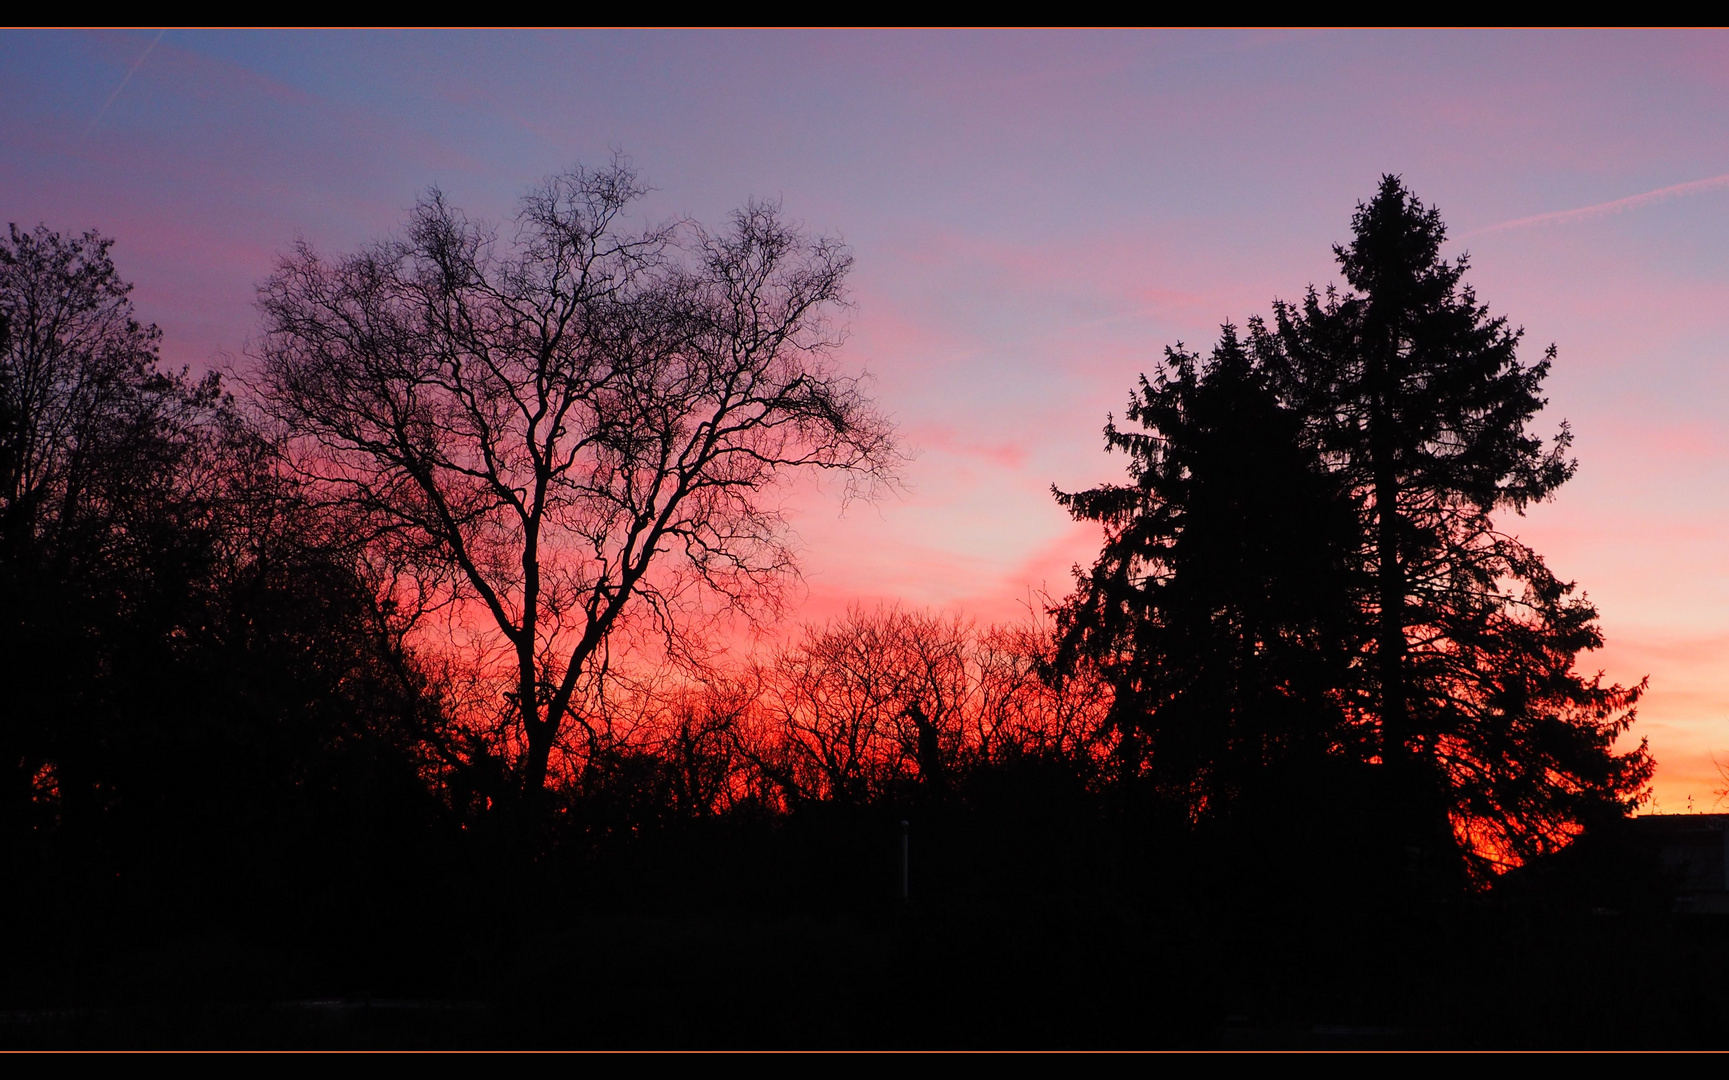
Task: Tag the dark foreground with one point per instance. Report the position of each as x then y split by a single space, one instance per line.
731 984
1021 933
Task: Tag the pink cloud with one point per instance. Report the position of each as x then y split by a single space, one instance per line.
1006 454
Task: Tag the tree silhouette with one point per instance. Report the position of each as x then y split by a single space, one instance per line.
89 424
1220 608
200 686
1307 568
97 523
877 703
576 428
1417 399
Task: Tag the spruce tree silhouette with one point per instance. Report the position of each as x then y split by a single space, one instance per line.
1495 748
1220 609
1307 569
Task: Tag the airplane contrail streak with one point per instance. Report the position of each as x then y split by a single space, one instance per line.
133 70
1614 206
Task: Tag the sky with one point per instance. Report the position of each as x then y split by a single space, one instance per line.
1035 216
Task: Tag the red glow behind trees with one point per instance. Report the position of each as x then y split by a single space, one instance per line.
879 705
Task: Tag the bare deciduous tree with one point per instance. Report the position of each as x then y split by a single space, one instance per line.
880 698
578 427
840 698
91 427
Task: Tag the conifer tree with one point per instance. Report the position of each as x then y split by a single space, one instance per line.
1307 568
1417 399
1220 608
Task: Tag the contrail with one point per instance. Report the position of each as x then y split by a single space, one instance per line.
136 64
1614 206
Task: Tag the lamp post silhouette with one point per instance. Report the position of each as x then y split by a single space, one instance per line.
906 829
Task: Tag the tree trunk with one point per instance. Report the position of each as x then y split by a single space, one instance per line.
1390 637
539 732
536 761
930 761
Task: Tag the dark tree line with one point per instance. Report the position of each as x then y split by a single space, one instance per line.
202 696
1303 584
402 653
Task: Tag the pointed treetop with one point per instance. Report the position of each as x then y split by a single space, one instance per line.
1395 238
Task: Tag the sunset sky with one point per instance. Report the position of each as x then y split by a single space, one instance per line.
1034 217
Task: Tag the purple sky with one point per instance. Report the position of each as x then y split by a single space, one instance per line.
1035 215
